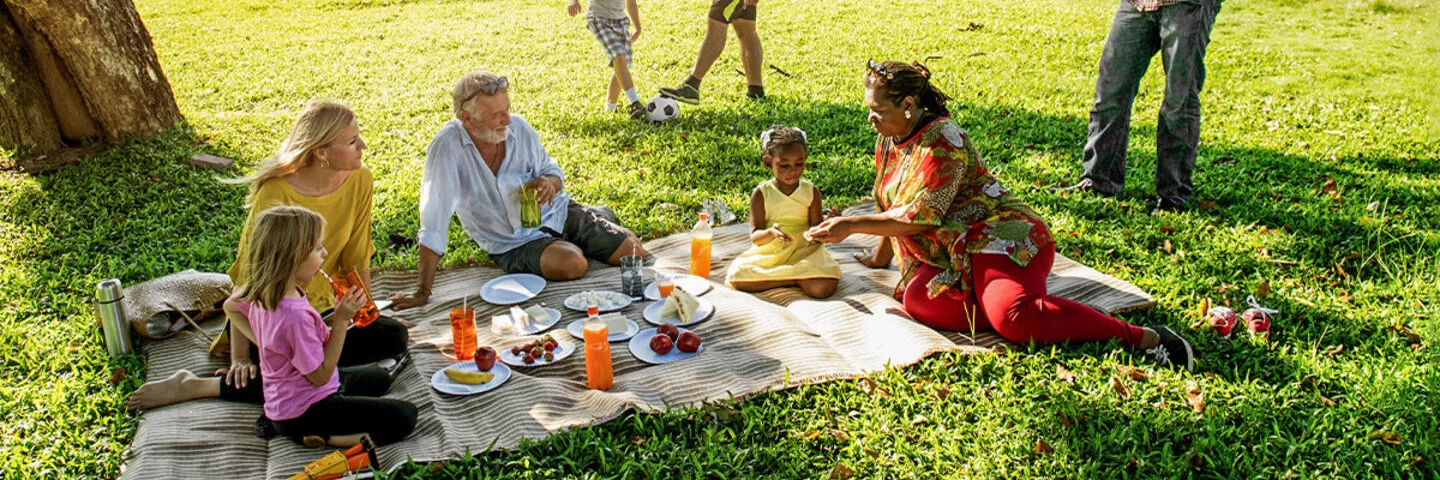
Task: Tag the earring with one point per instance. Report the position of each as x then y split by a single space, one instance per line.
907 114
326 163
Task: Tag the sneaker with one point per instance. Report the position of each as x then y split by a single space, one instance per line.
1172 350
683 93
1084 185
637 111
1163 205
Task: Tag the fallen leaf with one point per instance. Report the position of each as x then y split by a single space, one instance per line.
1160 405
637 441
1335 350
1196 461
868 386
1064 419
1327 401
1385 436
1168 230
919 419
942 393
1167 248
1132 372
872 453
1412 337
1132 467
839 436
627 149
1064 374
1119 386
1075 251
841 472
809 436
435 467
1208 205
1224 160
1263 291
117 375
1043 448
1332 189
1419 460
1074 234
1195 398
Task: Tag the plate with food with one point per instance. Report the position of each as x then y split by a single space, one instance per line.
540 352
512 289
466 378
620 328
608 301
664 344
691 283
680 308
527 321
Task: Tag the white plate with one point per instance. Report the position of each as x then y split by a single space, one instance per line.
697 286
512 289
535 328
577 330
446 385
562 349
640 348
620 300
652 314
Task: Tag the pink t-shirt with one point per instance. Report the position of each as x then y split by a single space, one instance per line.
291 340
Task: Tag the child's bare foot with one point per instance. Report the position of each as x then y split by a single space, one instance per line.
179 387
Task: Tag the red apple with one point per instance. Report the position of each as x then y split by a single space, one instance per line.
669 330
661 344
485 358
689 342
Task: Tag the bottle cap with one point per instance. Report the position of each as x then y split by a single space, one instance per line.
704 215
592 310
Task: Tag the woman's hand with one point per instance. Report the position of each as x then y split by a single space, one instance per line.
346 307
240 373
832 230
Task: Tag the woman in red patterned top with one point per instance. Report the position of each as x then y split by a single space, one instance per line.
972 255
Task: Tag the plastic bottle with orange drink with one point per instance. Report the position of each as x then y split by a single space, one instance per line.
700 238
343 283
599 372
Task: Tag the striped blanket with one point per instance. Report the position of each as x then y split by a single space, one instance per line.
753 344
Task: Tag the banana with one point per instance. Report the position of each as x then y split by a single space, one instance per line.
469 378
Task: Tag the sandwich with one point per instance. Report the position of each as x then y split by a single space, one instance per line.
680 304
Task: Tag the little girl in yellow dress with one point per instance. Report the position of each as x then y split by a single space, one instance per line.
781 210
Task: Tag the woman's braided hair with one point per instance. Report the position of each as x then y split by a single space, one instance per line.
897 80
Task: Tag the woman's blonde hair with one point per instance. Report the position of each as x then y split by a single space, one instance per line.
320 122
282 238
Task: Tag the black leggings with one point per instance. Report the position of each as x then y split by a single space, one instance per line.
385 338
386 420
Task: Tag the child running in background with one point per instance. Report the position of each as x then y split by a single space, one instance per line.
781 209
608 22
304 394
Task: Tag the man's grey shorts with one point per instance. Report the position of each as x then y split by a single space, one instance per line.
594 230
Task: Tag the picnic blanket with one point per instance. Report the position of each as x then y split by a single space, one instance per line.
753 344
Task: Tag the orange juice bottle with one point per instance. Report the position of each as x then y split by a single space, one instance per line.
462 328
599 372
343 283
700 237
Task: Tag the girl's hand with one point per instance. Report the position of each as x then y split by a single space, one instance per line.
574 7
346 307
240 373
780 234
832 230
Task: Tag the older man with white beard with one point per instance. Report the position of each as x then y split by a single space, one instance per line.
476 167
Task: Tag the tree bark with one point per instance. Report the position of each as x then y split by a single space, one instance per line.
98 68
26 117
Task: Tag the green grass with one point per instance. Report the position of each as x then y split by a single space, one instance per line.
1298 93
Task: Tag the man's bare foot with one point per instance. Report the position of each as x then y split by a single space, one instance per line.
179 387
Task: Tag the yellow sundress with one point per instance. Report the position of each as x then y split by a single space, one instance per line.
785 259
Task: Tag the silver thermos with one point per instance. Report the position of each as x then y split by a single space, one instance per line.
110 309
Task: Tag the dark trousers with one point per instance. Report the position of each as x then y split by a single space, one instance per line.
385 338
1180 33
386 420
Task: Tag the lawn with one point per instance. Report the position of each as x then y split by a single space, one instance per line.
1318 176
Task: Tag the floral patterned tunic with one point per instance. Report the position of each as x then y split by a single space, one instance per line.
937 178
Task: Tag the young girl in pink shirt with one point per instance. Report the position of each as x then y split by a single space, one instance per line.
299 352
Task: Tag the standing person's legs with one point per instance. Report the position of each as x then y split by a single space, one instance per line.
1184 35
752 56
1134 39
710 49
1016 302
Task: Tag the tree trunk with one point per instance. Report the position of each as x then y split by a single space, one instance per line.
100 76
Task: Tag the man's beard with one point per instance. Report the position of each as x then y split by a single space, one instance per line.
494 136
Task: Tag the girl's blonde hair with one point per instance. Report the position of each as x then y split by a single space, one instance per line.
320 122
282 238
780 137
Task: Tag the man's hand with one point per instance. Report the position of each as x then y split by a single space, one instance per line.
403 301
240 373
635 36
750 3
574 7
545 188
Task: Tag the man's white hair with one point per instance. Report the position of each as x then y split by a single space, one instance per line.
469 87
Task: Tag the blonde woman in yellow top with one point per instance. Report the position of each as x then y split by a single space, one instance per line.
781 209
318 167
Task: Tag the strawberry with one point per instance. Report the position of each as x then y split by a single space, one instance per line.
550 346
529 358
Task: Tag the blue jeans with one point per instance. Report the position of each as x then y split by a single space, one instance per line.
1180 33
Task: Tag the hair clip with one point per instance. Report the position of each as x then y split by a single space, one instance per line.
879 69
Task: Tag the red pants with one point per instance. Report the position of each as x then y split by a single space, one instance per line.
1013 303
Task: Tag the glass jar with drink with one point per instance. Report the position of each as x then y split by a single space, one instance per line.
529 205
700 242
599 372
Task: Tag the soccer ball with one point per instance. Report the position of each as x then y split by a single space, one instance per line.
661 108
